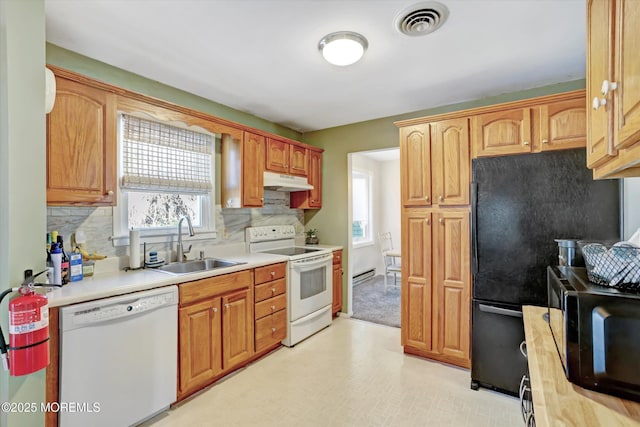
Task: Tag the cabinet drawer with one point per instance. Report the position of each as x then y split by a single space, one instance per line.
270 330
212 286
271 305
270 272
270 289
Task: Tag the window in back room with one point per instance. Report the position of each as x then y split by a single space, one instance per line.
361 198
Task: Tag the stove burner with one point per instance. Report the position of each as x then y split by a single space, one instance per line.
290 251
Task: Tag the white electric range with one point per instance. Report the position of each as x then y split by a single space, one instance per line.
309 275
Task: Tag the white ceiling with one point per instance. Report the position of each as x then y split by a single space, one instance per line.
382 155
261 57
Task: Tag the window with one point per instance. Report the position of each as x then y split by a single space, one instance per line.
361 197
166 172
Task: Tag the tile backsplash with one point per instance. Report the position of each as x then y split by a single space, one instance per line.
97 223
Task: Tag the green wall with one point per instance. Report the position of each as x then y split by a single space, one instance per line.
109 74
22 177
338 142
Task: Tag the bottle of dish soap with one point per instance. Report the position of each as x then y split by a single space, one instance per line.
56 260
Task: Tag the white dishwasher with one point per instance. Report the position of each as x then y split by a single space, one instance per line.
118 358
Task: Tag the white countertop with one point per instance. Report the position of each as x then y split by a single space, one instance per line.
106 285
330 247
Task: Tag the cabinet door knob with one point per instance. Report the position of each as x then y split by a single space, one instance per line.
273 307
110 192
273 290
545 141
427 198
214 309
428 221
273 329
441 220
441 199
525 143
273 273
598 102
227 306
608 86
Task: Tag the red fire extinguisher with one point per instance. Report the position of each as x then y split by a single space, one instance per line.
28 331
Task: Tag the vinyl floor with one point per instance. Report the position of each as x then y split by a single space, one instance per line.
352 373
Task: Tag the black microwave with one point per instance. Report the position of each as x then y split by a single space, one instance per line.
596 331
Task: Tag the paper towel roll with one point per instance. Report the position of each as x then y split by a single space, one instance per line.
134 249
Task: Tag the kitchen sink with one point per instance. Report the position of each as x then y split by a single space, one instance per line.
196 266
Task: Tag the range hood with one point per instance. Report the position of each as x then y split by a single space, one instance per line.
280 182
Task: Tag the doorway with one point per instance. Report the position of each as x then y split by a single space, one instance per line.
374 207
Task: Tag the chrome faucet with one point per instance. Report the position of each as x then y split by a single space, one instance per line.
181 252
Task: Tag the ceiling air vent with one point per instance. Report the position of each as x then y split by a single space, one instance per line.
421 18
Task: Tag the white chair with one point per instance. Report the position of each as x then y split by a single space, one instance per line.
390 256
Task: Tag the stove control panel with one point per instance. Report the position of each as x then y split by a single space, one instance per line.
270 232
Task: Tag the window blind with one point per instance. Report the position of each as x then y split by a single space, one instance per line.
161 157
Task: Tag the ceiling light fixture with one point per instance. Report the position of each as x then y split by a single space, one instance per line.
343 47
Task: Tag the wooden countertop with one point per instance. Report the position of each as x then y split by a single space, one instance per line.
558 402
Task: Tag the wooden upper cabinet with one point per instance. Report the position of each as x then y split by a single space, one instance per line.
452 286
81 146
242 170
298 164
613 88
315 179
502 132
415 165
599 68
311 199
451 161
563 125
627 74
253 170
277 156
283 157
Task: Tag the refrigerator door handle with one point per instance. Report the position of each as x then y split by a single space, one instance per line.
498 310
474 228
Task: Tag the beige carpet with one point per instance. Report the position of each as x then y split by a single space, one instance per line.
373 304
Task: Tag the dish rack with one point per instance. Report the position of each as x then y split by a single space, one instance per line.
616 266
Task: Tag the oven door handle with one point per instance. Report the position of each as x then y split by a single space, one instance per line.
311 263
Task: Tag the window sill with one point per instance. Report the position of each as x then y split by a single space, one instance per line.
160 237
359 245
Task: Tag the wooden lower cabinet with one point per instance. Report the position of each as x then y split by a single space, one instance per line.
215 333
436 283
337 282
237 329
271 330
200 343
270 306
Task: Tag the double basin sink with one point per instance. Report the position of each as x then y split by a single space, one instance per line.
196 266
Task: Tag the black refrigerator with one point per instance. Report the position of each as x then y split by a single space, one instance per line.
519 205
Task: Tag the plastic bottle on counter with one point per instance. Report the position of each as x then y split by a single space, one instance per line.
65 262
56 260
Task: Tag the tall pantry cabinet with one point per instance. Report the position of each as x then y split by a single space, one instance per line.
436 277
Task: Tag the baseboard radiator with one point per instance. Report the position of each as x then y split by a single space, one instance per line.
365 275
